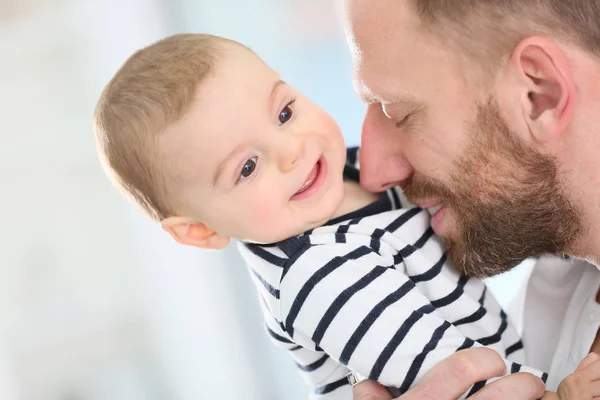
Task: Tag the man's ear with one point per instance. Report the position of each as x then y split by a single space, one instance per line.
548 92
193 233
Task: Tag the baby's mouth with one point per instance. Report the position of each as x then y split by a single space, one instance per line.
311 178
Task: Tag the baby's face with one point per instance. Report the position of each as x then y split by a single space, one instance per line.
257 161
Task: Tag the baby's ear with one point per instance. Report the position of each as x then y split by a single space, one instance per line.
192 233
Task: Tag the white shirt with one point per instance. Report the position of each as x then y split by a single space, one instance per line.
560 316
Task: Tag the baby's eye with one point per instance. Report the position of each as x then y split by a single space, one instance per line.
286 114
248 168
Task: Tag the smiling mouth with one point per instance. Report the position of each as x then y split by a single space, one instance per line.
310 179
433 210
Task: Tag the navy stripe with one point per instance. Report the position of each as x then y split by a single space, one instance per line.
424 238
476 316
314 366
382 204
401 220
368 321
340 238
343 228
482 298
295 348
396 198
277 337
330 387
398 258
351 156
514 368
351 173
417 363
515 347
398 190
340 235
431 273
299 252
342 299
467 344
266 255
476 387
376 239
452 297
317 277
291 246
407 251
397 339
274 292
495 338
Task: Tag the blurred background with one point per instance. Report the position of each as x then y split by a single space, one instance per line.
95 301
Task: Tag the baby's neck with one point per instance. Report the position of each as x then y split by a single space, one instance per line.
355 198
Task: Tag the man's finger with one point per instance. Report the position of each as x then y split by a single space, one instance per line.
519 386
455 375
370 390
587 361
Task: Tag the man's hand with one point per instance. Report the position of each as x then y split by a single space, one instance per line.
455 375
583 384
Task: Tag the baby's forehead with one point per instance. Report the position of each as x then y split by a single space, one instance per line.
235 95
240 78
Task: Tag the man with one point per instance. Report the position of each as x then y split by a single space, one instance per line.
487 112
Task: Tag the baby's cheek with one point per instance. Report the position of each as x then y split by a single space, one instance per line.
268 222
264 212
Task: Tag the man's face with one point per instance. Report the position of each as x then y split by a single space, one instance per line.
495 200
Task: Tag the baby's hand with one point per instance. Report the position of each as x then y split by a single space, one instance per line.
584 384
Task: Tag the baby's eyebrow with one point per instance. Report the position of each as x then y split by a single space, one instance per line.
276 86
222 164
272 97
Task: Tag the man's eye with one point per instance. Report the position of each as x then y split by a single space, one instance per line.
400 123
248 168
286 114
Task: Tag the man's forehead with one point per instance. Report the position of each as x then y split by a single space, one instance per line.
378 30
367 17
379 74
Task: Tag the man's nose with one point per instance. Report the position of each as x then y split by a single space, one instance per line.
382 161
290 151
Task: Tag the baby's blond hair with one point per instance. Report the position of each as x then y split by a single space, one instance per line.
153 89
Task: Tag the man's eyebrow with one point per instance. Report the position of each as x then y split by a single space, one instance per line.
222 164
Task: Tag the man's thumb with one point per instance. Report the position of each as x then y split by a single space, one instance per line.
370 390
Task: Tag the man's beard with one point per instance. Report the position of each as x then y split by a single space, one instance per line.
505 198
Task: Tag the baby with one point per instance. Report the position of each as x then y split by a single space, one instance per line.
210 141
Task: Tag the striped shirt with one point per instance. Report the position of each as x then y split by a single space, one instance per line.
373 292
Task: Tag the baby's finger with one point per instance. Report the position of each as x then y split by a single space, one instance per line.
587 361
519 386
591 373
595 389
